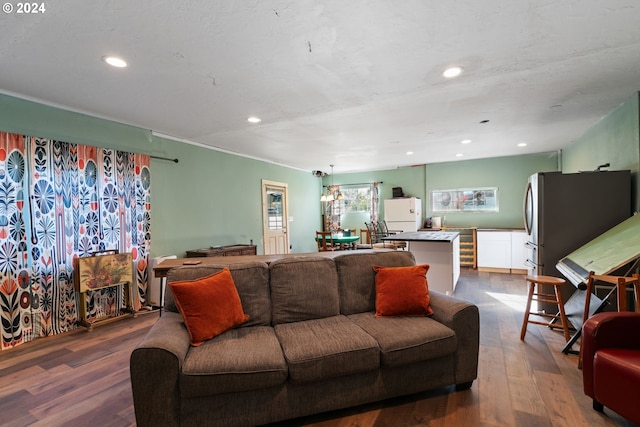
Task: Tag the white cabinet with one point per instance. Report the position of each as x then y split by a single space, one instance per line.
494 249
502 251
518 250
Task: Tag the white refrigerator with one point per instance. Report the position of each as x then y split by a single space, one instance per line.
403 214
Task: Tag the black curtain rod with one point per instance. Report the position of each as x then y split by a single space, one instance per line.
357 183
164 158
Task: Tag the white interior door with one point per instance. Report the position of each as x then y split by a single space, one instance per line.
275 214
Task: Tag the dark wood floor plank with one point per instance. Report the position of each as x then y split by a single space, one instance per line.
93 386
19 380
44 363
12 406
525 419
73 411
462 408
495 408
103 415
59 383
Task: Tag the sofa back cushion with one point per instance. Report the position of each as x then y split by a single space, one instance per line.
303 288
252 282
357 280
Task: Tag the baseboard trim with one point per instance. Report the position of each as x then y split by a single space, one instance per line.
494 270
502 270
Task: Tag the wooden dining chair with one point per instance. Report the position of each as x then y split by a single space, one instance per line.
621 283
325 241
365 240
374 234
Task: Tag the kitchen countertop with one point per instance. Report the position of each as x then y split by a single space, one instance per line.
424 236
477 229
500 229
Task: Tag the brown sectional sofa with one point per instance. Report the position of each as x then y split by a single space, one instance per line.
312 344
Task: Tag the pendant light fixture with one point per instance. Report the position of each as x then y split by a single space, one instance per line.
339 196
330 189
328 196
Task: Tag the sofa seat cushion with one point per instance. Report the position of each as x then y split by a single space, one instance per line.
324 348
238 360
407 339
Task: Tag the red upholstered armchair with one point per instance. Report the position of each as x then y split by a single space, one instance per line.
611 362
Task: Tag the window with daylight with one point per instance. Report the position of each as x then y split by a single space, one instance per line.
353 205
356 199
465 200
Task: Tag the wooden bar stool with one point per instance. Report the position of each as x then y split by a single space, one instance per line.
540 296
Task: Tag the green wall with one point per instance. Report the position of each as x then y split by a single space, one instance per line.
616 140
211 197
411 179
509 174
207 198
30 118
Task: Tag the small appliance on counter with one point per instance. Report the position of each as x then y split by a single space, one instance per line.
397 192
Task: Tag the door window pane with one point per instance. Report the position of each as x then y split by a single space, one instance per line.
274 209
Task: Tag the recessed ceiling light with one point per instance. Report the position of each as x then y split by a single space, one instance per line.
522 144
452 72
465 141
408 153
254 119
114 61
459 155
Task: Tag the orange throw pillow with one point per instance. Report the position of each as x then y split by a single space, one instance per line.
402 291
209 306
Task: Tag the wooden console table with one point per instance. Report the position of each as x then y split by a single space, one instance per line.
231 250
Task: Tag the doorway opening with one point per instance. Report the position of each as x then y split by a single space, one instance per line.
275 214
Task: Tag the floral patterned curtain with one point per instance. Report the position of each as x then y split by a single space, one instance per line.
375 202
61 201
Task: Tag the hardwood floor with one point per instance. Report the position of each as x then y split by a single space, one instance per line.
82 378
79 378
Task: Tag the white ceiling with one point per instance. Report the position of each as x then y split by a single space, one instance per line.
351 83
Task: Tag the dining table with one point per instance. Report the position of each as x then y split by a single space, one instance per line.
344 241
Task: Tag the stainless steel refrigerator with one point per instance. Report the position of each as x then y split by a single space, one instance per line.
562 212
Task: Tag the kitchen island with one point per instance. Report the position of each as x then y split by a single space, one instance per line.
439 249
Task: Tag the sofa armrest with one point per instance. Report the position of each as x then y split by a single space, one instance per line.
607 330
155 367
464 318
